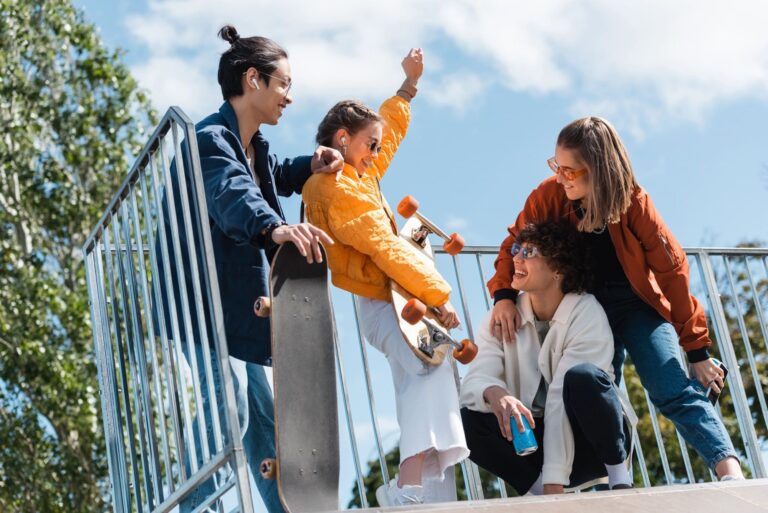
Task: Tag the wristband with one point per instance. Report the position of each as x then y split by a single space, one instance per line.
409 89
267 232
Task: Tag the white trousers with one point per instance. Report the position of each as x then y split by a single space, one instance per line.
426 396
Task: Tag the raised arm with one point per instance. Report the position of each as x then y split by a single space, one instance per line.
396 111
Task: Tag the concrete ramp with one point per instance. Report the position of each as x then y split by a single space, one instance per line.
731 497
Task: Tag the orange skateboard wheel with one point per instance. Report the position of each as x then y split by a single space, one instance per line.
262 306
413 311
267 469
454 244
467 352
407 206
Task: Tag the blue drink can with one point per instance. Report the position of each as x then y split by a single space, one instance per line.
525 442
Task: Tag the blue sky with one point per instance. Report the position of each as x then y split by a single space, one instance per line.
685 83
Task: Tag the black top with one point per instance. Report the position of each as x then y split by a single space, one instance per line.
604 263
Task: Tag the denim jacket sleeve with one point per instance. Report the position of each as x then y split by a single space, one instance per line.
235 202
290 174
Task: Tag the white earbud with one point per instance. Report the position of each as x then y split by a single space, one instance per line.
255 84
343 140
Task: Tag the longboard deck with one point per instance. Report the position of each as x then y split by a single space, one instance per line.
304 373
400 297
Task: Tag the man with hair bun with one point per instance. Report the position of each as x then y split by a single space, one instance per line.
242 184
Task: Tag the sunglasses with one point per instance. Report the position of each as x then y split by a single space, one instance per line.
567 173
374 147
525 253
285 83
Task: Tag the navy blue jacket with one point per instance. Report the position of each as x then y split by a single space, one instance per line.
238 211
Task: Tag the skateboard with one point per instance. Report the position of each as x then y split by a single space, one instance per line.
419 323
303 333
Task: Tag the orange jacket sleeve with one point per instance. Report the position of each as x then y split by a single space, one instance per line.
667 260
396 113
356 221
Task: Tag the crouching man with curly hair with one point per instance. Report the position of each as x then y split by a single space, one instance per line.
557 374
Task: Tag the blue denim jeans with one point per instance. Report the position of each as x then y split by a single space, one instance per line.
652 344
253 401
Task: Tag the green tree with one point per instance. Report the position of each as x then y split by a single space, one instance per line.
72 117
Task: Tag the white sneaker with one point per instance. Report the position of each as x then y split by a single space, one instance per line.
393 495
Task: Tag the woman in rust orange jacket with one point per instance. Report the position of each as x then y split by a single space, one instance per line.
641 281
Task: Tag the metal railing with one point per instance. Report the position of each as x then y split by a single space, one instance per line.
158 398
732 284
159 402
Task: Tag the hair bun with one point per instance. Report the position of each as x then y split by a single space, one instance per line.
229 34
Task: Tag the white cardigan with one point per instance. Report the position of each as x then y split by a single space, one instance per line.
579 332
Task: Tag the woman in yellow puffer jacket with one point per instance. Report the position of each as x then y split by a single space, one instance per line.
367 254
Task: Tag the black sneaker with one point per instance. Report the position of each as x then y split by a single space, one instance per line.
622 486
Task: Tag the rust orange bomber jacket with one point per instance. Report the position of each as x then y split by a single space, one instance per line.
368 251
652 259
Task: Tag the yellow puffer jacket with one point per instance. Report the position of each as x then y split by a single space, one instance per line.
368 252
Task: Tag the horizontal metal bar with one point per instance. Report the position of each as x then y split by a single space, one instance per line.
494 250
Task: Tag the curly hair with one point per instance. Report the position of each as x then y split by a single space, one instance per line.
563 248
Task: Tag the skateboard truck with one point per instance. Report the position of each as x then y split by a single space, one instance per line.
268 468
432 337
262 307
409 207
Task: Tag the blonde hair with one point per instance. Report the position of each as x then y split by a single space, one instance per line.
611 179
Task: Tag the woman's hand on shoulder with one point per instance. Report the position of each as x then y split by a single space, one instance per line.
505 320
413 65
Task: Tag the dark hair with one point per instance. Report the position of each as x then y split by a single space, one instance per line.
245 52
350 114
564 250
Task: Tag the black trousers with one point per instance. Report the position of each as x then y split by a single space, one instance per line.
600 434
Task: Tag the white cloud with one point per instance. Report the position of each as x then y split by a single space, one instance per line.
456 90
642 61
172 80
456 223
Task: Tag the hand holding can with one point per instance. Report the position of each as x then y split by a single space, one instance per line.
525 442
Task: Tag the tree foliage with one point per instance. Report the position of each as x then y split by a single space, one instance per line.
72 116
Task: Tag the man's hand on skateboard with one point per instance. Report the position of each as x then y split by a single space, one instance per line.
448 316
306 237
